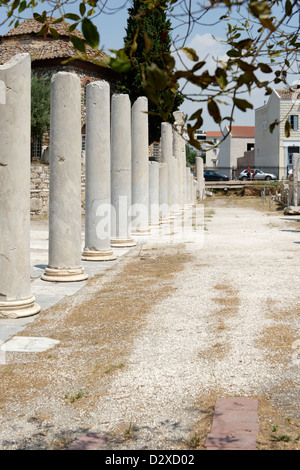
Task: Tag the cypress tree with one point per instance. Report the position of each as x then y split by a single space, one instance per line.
148 41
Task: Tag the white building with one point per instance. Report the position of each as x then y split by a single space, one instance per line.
274 151
240 139
212 149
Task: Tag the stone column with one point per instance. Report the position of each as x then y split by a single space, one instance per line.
163 192
175 208
178 143
97 178
192 187
187 186
296 179
121 171
183 157
64 263
140 167
200 179
154 193
166 156
16 299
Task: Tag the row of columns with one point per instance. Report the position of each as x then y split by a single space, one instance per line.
126 193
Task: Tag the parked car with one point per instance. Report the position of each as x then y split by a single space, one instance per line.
259 175
210 175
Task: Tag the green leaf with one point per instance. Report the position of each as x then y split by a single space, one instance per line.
233 53
242 104
54 33
22 6
190 53
82 8
221 77
288 7
287 128
78 43
214 111
90 33
120 63
265 68
157 77
72 16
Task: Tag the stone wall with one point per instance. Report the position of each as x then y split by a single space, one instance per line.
39 189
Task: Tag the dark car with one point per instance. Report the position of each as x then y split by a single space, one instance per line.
210 175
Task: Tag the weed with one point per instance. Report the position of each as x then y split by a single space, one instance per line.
75 397
195 441
282 437
113 368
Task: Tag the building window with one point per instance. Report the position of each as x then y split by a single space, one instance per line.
293 119
84 90
250 147
156 151
36 149
83 142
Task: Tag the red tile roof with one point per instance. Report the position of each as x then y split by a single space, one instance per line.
213 134
242 131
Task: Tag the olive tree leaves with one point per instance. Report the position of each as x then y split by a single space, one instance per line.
261 43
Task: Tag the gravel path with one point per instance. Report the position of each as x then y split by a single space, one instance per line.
229 327
205 336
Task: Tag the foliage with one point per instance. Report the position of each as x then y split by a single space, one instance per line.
190 155
262 40
40 105
146 43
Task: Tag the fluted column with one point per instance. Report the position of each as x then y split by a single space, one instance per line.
64 264
16 299
166 157
97 178
200 179
163 192
140 168
154 193
121 177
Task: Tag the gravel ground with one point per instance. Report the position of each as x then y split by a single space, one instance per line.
180 324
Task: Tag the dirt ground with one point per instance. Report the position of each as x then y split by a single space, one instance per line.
48 399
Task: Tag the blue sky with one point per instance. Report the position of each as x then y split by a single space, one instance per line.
205 39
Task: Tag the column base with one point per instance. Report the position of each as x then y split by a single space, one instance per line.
137 231
122 242
98 255
64 275
19 308
155 224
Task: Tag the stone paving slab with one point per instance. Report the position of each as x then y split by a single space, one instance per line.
235 425
89 441
28 344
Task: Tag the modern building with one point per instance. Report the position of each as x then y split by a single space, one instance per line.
274 150
235 141
212 149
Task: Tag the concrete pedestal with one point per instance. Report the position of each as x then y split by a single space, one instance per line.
97 180
16 299
65 181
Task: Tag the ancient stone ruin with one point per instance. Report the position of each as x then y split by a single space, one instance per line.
126 194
